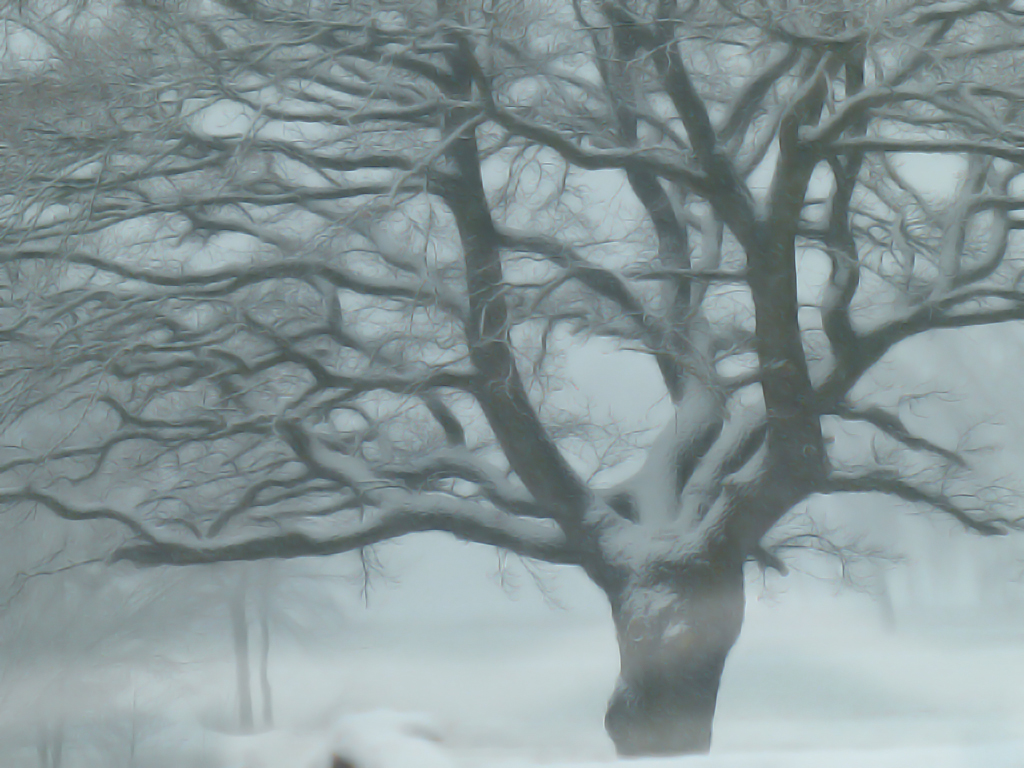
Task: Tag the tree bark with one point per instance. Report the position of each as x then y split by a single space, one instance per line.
675 631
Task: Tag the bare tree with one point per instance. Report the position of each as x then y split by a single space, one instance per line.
261 602
240 642
302 272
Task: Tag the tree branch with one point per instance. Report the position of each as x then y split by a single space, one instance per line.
888 483
891 425
422 512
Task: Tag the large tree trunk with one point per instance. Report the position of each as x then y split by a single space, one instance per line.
675 631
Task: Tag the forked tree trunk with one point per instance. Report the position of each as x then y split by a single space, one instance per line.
674 634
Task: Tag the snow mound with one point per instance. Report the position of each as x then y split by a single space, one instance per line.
388 739
997 755
380 739
274 749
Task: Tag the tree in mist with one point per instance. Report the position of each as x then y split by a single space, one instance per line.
64 614
302 275
250 600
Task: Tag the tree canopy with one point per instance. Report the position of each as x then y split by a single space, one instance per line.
292 277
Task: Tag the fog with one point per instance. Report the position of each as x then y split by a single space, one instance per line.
513 666
906 649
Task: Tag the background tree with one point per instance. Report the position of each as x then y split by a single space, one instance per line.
303 271
66 620
251 601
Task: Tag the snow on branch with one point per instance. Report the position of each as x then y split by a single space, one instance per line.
674 457
229 280
412 513
657 161
388 510
394 485
463 464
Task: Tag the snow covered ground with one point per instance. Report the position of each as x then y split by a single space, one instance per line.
510 681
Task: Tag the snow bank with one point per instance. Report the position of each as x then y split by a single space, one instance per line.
387 739
1002 755
274 749
390 739
380 739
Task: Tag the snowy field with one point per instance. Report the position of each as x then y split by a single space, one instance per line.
503 678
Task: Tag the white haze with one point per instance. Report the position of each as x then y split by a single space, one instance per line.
510 675
511 669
